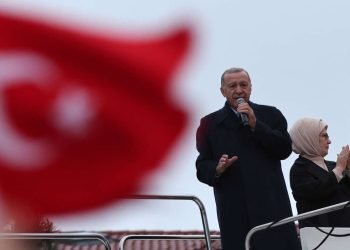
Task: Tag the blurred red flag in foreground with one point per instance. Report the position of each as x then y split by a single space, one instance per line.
83 118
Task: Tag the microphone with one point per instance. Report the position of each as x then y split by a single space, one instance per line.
244 116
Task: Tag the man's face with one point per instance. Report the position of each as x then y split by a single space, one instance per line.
236 85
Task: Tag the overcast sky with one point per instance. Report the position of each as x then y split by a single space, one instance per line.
297 54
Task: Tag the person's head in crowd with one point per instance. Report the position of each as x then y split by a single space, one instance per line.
235 83
310 138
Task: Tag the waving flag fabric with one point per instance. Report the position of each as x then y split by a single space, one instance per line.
83 118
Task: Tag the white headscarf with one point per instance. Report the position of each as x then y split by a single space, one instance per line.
305 134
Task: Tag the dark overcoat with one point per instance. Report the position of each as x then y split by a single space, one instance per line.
314 188
252 191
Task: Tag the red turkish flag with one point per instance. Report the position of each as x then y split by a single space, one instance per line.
83 118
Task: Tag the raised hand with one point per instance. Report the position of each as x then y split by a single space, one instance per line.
343 158
224 163
245 108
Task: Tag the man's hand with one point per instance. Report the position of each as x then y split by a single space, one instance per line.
246 109
224 163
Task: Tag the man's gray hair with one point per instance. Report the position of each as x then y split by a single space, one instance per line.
233 70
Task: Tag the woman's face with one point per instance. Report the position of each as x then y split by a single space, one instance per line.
324 142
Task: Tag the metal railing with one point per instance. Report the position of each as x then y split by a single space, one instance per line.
293 218
163 237
182 197
55 236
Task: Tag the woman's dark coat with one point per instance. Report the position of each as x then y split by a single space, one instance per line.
252 191
314 188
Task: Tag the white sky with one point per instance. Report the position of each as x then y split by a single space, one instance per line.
296 52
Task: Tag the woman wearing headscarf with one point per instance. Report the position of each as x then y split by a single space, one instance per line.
316 182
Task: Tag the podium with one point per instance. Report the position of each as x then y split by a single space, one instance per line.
311 237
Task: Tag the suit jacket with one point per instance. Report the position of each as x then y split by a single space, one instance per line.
314 188
252 191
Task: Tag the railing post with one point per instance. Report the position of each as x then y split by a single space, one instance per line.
53 236
182 197
161 237
204 221
293 218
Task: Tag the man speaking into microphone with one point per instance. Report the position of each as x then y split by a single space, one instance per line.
240 151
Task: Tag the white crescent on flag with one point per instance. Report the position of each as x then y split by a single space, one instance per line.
16 149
